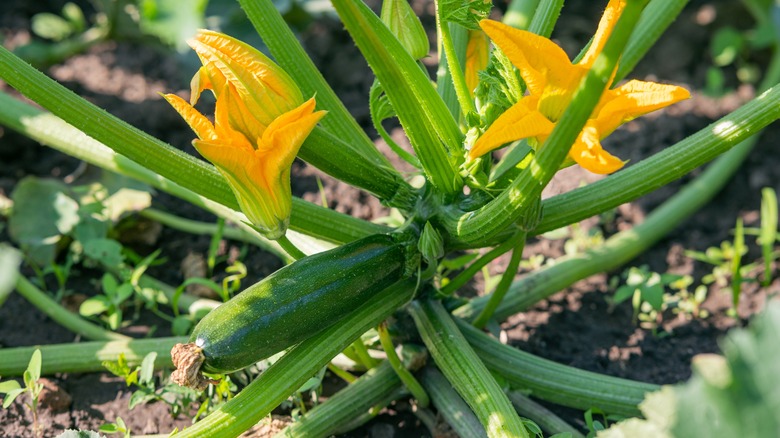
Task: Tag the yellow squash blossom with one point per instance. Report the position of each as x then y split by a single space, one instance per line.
477 57
260 123
552 79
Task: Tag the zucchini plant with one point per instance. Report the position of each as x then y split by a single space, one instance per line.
524 95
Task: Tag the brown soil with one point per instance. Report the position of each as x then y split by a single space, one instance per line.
575 327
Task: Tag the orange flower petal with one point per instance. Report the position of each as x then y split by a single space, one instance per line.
197 121
516 123
634 99
539 60
588 153
477 57
607 23
284 136
266 89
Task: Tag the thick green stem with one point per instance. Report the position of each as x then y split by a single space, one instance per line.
62 316
406 377
463 368
450 405
362 355
503 285
296 366
520 12
290 249
52 131
545 17
346 405
454 65
556 383
542 416
481 226
85 357
657 16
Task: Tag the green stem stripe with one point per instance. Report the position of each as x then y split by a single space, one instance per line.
85 357
424 116
300 363
474 229
467 274
556 383
663 167
463 368
292 57
52 131
503 285
520 13
450 405
62 316
346 405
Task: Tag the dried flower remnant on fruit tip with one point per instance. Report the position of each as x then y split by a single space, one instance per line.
260 122
552 81
187 358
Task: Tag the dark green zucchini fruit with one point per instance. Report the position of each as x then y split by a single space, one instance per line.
296 302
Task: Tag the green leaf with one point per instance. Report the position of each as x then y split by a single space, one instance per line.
732 396
467 13
50 26
10 259
8 386
623 293
94 306
146 375
172 21
43 210
34 367
726 45
109 428
10 396
107 251
75 16
653 294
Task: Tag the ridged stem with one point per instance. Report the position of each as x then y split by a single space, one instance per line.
464 369
85 357
343 407
657 16
450 405
543 417
62 316
556 383
261 396
545 17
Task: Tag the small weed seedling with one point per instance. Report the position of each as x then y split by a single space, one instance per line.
118 426
12 389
